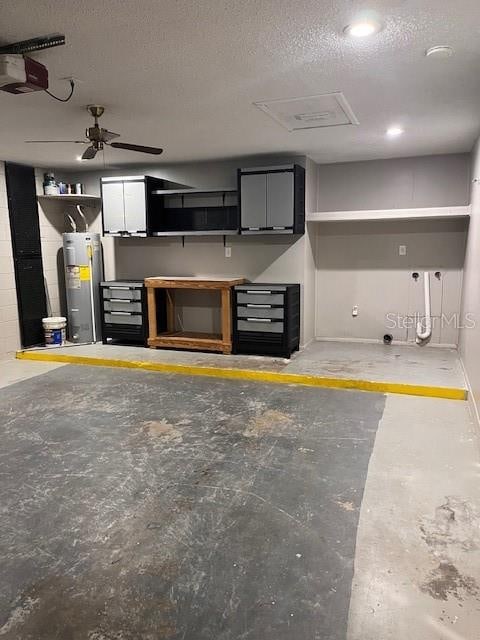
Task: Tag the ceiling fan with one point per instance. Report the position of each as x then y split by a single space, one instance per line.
97 137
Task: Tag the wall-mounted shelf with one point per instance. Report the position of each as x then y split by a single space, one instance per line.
218 232
195 212
430 213
73 198
174 192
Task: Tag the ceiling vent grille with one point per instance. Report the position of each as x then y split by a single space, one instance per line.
311 112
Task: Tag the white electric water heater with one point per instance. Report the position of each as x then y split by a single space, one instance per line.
83 260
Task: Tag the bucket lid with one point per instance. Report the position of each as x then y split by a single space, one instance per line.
55 319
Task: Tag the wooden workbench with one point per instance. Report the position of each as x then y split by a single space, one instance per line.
187 339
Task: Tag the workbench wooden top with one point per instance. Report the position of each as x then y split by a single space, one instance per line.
192 282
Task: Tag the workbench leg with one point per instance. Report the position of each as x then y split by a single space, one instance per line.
227 320
170 303
152 314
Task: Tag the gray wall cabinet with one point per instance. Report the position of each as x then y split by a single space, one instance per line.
272 199
126 204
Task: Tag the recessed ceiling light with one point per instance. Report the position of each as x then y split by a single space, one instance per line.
362 28
439 51
394 132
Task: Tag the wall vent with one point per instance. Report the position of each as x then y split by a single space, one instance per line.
311 112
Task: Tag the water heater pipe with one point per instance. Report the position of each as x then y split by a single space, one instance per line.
72 222
82 217
424 335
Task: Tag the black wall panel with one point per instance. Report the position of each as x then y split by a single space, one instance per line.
27 251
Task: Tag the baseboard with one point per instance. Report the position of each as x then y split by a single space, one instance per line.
474 410
403 343
307 344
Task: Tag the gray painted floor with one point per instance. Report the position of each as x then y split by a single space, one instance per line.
139 506
377 362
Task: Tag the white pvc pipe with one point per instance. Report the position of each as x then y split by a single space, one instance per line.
92 298
82 217
424 335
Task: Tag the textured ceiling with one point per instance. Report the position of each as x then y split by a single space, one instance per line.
184 74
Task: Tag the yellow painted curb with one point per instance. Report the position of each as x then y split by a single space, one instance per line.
426 391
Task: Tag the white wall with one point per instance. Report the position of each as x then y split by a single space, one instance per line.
401 183
9 328
470 338
358 263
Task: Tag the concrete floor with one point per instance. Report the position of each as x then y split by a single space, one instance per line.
176 507
191 508
374 362
12 371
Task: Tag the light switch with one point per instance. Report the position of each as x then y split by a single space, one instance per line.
402 250
228 252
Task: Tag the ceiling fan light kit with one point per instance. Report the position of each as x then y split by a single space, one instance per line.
97 138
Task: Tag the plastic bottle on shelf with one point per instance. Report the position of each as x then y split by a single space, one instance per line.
50 187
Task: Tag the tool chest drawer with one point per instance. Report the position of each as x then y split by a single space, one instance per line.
264 325
260 311
261 297
122 305
266 319
123 317
121 292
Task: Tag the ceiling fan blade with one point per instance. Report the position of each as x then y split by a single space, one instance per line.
55 141
89 153
106 135
137 147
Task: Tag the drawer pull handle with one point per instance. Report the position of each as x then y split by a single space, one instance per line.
120 288
120 313
258 292
259 306
122 300
259 320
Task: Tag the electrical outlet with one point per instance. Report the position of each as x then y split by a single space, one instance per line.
402 250
355 310
228 252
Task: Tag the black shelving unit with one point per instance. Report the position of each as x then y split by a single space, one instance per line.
124 312
195 212
266 319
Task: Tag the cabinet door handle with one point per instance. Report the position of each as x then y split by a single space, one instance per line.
278 228
258 292
120 288
259 320
122 300
120 313
259 306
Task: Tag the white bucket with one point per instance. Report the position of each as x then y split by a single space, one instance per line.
54 330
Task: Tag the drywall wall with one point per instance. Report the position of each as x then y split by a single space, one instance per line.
403 183
257 258
358 264
9 326
470 334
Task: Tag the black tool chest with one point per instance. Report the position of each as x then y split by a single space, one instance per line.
266 319
124 312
